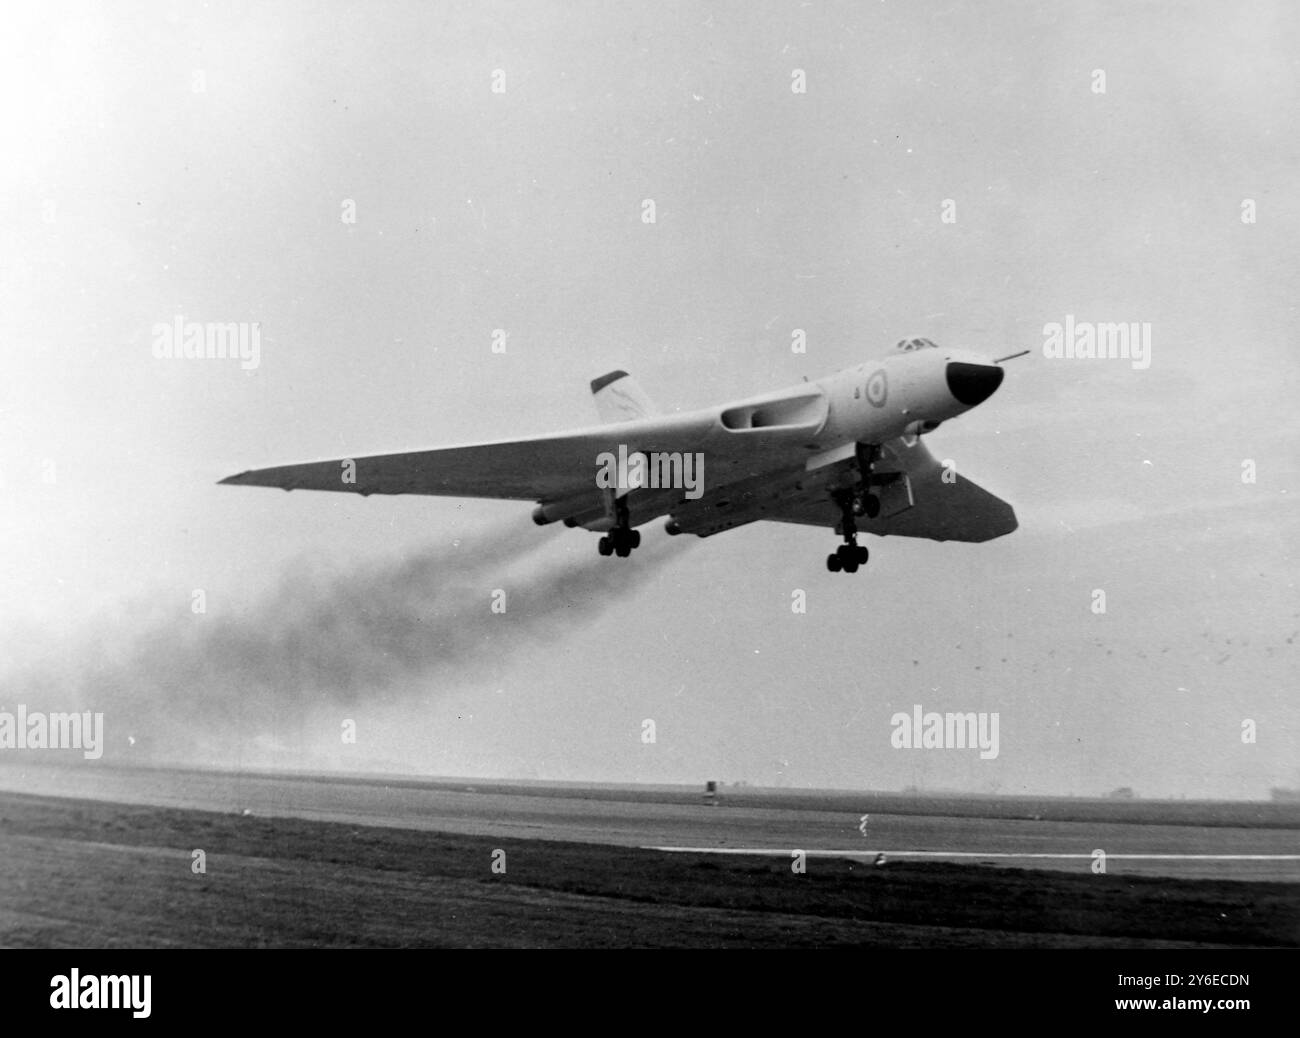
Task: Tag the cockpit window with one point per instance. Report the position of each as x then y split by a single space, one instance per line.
915 344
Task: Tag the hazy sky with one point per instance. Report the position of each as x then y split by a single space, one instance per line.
165 160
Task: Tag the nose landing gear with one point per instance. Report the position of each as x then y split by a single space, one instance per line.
850 555
847 557
864 501
866 504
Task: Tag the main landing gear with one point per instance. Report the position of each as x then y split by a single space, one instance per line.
622 539
619 541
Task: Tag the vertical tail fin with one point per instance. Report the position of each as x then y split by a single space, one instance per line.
619 398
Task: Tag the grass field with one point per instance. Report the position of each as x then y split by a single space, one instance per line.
92 874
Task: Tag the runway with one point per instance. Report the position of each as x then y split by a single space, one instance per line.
1253 842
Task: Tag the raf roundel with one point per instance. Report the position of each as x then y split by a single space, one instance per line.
877 389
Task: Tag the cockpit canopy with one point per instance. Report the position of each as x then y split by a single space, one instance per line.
915 344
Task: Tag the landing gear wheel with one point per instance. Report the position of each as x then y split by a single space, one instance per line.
850 555
621 539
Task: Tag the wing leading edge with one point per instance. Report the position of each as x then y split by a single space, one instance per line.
543 468
540 468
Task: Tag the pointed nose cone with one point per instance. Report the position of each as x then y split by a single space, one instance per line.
972 384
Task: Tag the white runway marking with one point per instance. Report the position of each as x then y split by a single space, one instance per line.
820 853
